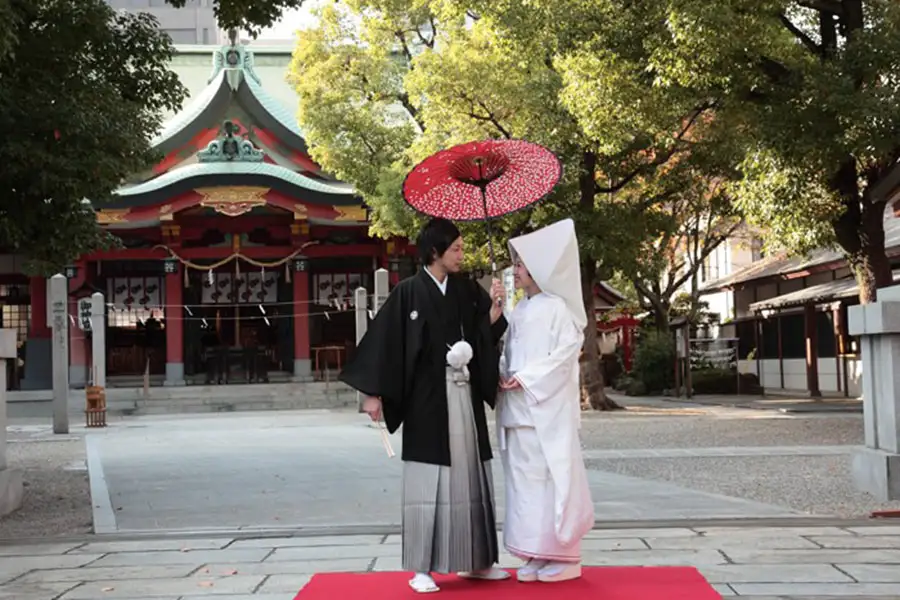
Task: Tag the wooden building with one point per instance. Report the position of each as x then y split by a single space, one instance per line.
791 318
239 254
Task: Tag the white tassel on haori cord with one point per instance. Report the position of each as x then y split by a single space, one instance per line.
459 356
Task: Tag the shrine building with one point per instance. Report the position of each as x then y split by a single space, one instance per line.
239 255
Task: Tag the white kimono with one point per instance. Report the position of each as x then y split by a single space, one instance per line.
548 499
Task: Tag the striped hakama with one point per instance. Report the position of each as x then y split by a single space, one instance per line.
448 512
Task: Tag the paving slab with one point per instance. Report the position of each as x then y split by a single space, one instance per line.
876 530
775 531
819 590
805 557
16 566
872 573
107 573
131 588
193 557
33 591
292 567
726 542
274 568
273 596
869 541
153 546
331 552
295 542
660 532
39 549
732 574
284 583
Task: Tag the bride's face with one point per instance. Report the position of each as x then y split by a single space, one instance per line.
521 277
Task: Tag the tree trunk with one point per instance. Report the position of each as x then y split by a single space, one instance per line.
661 316
593 395
860 233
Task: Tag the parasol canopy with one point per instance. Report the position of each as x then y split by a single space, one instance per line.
481 181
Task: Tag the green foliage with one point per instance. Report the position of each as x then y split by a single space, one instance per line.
77 113
723 381
654 361
800 98
384 84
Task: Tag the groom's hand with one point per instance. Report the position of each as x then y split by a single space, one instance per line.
498 298
372 407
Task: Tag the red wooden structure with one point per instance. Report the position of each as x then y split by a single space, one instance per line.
235 241
626 325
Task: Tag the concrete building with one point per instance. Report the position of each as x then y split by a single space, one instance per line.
193 24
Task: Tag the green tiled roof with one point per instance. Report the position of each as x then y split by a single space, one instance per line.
237 168
192 112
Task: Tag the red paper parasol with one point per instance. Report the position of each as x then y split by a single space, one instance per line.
480 181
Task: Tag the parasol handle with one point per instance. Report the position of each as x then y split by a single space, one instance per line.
490 233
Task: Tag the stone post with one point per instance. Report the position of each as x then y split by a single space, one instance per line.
11 487
876 468
361 315
59 305
382 288
98 339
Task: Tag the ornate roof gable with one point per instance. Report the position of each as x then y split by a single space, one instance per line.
236 60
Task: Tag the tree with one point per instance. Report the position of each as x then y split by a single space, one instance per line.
82 90
807 90
384 83
680 235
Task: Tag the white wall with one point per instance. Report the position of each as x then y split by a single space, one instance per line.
795 374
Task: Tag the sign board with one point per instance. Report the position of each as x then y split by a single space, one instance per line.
84 314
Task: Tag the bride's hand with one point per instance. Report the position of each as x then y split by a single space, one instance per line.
510 384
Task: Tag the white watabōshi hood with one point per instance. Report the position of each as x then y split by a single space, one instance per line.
551 256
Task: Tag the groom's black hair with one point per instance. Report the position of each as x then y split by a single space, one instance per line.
435 238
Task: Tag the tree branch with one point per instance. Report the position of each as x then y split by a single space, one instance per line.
489 118
704 254
662 158
413 112
807 41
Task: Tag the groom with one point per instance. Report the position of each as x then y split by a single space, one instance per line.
404 367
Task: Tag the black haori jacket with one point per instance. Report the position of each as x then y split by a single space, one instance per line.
402 360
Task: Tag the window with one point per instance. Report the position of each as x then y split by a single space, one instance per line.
757 251
16 309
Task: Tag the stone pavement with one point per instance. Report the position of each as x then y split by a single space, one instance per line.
302 469
843 560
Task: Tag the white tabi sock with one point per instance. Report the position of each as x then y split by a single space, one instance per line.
423 583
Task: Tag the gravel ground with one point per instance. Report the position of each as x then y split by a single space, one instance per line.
693 428
820 485
57 491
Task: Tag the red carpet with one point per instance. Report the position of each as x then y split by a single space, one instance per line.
597 583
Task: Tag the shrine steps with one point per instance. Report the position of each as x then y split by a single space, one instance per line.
226 398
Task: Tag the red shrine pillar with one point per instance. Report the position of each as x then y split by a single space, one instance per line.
174 323
38 292
38 349
302 363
